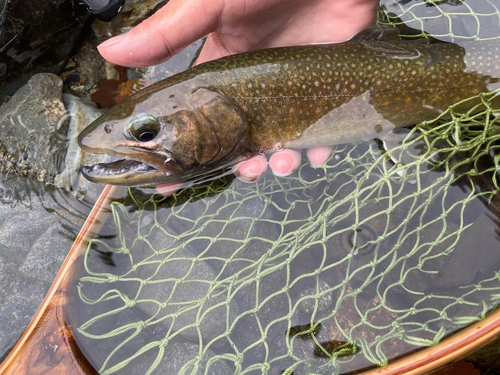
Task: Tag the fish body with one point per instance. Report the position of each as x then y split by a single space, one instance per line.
219 112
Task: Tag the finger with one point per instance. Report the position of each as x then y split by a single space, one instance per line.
284 163
175 26
169 188
251 169
318 155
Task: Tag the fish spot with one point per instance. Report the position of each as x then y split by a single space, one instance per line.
171 96
378 128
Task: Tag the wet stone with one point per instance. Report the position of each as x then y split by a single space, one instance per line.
32 124
251 296
182 283
176 355
316 296
34 240
14 314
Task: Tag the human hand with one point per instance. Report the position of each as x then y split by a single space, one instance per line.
235 26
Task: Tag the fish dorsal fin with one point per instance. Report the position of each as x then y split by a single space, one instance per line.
384 33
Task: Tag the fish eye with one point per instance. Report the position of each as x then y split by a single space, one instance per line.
143 128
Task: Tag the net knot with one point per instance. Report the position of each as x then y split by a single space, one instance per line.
141 325
163 342
130 302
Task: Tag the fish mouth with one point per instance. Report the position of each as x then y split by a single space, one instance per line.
124 172
134 172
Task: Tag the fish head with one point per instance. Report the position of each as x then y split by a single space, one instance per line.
165 136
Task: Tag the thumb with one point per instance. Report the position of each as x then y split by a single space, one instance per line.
175 26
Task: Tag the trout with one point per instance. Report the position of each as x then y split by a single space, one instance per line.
223 111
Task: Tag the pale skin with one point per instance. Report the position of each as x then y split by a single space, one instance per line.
235 26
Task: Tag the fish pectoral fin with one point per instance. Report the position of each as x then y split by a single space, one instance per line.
385 39
395 50
383 33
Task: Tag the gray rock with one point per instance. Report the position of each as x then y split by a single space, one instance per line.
31 125
34 240
248 329
182 282
15 314
175 357
46 253
324 301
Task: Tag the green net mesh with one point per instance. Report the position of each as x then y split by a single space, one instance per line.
387 248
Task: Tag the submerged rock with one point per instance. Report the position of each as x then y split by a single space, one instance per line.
176 356
36 36
183 283
35 237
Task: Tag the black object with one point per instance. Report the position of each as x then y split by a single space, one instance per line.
105 10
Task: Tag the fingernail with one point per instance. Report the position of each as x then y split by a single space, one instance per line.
251 170
111 42
284 163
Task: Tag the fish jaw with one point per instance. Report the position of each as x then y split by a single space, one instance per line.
125 172
140 166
